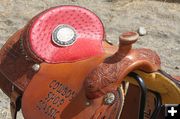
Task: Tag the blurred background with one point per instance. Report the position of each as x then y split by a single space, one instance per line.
160 18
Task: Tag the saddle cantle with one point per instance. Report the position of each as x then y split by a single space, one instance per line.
59 67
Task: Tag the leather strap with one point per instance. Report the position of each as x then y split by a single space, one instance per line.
15 103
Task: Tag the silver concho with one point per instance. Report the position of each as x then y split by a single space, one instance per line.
64 35
109 98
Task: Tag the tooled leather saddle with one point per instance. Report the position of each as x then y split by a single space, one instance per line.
59 66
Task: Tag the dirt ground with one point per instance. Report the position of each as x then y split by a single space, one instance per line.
160 18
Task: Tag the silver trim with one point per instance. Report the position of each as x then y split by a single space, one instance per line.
63 43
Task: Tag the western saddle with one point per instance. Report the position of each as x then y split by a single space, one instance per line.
59 66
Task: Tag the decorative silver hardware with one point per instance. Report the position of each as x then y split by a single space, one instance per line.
36 67
88 103
64 35
109 98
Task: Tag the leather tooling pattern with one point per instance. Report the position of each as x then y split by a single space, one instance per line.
117 66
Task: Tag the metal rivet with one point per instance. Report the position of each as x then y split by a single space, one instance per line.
87 103
12 88
36 67
109 98
109 42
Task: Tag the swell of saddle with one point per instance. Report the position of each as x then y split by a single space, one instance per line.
116 67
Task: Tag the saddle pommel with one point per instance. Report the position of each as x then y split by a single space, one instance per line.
115 67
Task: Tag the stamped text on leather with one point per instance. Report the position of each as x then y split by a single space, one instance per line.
57 95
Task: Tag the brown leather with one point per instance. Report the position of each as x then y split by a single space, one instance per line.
74 90
14 62
70 78
132 102
51 79
72 75
114 68
14 68
15 104
50 72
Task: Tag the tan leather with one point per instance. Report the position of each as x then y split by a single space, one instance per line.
77 90
63 75
65 81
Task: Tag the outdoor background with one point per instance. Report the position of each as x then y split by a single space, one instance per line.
161 18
